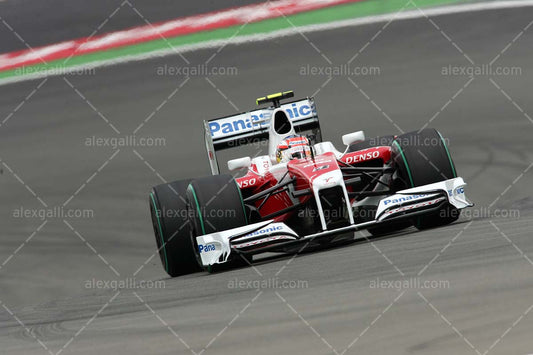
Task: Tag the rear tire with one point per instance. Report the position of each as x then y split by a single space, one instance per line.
423 158
172 229
216 204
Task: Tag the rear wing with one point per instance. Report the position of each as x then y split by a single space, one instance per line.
252 126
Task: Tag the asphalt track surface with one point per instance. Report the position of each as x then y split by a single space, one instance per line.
484 260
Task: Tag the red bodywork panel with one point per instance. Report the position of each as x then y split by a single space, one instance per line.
305 171
366 155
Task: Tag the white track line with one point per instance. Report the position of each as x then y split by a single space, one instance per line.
406 15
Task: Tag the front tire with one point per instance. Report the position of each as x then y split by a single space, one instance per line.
168 209
423 158
216 205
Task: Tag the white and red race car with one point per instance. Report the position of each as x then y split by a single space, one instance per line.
285 202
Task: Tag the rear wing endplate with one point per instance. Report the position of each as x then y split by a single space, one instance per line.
252 126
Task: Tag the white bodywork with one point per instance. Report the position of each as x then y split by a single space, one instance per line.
454 189
215 248
249 125
327 147
273 137
326 181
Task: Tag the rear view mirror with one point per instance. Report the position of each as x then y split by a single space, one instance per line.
239 163
354 137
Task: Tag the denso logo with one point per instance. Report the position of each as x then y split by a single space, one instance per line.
403 199
265 231
206 248
246 183
362 157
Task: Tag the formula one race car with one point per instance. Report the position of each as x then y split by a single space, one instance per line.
303 192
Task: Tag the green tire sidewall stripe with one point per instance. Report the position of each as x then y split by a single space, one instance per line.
408 173
448 154
242 201
406 164
191 188
160 231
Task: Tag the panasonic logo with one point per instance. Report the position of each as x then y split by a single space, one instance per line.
267 230
233 126
403 199
206 248
295 112
240 123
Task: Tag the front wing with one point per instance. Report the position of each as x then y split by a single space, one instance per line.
216 248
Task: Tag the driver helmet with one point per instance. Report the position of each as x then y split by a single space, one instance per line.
293 147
